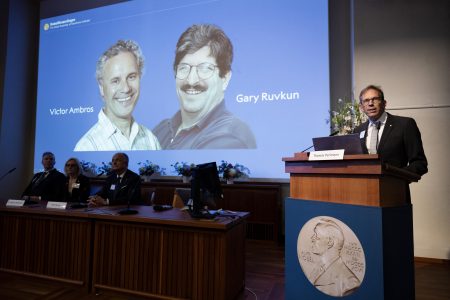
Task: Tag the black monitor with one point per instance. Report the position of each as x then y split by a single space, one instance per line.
205 189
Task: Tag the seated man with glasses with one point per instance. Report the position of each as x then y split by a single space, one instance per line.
396 139
202 69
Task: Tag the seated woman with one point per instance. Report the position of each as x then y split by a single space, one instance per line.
77 185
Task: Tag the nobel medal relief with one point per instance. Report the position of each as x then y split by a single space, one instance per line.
331 256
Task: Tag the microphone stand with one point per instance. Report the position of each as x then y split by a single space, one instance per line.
7 173
128 210
307 148
333 134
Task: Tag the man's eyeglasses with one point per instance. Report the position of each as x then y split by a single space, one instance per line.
204 70
374 99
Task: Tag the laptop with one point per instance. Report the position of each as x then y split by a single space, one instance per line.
351 143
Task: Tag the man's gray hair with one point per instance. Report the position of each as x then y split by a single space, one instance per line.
119 47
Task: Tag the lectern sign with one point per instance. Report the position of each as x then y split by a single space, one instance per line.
331 256
56 205
327 155
15 203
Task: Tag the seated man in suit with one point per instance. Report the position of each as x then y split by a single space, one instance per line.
120 187
396 139
47 185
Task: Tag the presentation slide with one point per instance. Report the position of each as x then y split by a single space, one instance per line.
185 106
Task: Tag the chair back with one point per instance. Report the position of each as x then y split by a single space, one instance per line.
181 197
148 196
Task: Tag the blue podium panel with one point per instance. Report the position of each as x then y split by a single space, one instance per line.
348 251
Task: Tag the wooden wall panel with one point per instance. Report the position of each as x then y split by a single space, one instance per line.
171 262
235 261
125 257
164 255
53 247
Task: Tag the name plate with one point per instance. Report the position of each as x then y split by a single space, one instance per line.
327 155
15 203
56 205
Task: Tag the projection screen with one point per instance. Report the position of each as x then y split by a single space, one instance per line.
279 84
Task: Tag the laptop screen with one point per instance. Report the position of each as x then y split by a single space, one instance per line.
351 143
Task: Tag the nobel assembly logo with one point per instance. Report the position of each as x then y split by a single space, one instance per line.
64 23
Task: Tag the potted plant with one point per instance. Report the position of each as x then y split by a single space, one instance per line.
147 169
184 169
229 172
346 117
89 169
105 169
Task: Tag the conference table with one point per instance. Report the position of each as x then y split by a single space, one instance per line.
158 254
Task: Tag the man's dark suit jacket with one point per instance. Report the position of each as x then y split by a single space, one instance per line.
51 188
79 194
400 144
128 189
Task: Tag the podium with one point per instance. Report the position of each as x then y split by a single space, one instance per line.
367 206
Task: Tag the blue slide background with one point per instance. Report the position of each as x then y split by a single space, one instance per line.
279 46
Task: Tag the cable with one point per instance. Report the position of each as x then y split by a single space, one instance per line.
254 294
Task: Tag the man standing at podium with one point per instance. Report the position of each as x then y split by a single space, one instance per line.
396 139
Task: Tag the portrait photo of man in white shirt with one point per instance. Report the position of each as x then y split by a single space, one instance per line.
118 73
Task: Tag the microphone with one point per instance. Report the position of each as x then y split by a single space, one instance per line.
332 134
7 173
130 193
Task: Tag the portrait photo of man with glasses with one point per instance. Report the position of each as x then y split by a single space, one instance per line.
202 68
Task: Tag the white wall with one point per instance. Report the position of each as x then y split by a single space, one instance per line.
404 47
